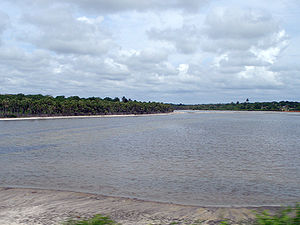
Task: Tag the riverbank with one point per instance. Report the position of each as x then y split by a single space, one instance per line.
137 115
82 117
20 206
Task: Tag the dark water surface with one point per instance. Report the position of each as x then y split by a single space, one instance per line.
198 158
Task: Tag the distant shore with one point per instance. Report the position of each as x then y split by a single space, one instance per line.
36 206
137 115
86 116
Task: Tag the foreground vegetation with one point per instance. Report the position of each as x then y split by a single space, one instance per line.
96 220
21 105
287 216
247 106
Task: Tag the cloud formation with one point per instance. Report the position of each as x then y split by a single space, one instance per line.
4 22
172 51
244 44
56 29
139 5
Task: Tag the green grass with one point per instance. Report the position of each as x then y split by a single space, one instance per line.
96 220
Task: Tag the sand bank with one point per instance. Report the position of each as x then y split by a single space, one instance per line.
35 206
81 117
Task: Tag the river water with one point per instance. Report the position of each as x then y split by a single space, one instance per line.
194 158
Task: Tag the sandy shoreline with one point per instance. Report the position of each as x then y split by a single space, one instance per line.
137 115
82 117
35 206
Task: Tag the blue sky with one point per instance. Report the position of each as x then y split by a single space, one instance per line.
180 51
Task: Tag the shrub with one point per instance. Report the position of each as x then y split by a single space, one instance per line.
288 216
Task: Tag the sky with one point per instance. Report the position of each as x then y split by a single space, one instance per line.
175 51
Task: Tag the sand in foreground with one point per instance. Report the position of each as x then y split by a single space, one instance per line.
35 206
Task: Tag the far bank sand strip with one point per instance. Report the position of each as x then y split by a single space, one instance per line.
82 117
35 206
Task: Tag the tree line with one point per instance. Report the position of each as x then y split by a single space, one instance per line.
247 106
21 105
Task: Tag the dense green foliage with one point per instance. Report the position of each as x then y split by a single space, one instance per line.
39 105
257 106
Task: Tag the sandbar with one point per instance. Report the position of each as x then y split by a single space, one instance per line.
86 116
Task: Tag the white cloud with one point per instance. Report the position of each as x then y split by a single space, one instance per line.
234 23
4 22
186 39
278 42
259 77
58 30
183 68
117 6
139 5
238 29
91 21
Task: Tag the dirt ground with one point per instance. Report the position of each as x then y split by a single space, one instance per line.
35 206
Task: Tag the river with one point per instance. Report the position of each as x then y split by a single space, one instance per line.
195 158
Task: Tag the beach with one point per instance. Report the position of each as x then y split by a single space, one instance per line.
136 115
82 117
35 206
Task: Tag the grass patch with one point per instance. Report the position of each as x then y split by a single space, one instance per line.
96 220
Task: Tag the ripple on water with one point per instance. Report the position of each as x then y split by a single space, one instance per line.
244 158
